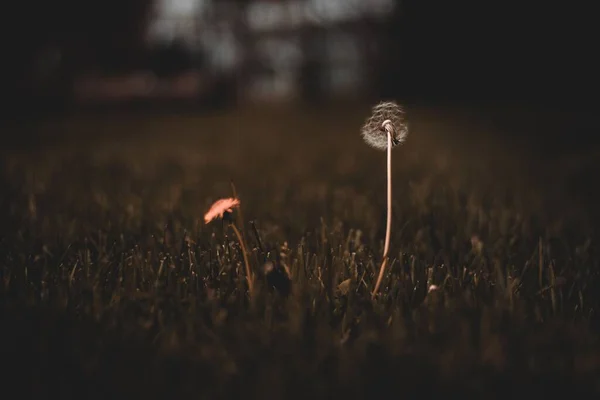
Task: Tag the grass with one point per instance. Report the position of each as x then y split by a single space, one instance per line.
112 285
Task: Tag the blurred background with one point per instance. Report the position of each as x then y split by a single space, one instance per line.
215 53
284 50
512 56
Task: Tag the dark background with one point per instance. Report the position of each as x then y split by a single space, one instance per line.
509 51
527 56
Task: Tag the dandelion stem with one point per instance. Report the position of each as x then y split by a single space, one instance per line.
388 229
244 253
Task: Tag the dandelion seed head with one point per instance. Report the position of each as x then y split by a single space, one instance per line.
385 116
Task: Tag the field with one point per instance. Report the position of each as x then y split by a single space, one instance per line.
114 287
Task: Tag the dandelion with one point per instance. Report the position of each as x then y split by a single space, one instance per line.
218 209
385 129
387 118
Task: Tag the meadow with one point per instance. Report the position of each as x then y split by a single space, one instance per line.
112 286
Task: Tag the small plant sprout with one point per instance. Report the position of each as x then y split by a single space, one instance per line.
220 208
383 130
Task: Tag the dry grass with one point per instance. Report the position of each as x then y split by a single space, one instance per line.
113 286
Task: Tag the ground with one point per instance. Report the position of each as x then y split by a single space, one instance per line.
113 285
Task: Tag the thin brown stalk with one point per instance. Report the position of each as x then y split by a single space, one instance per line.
388 229
245 254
